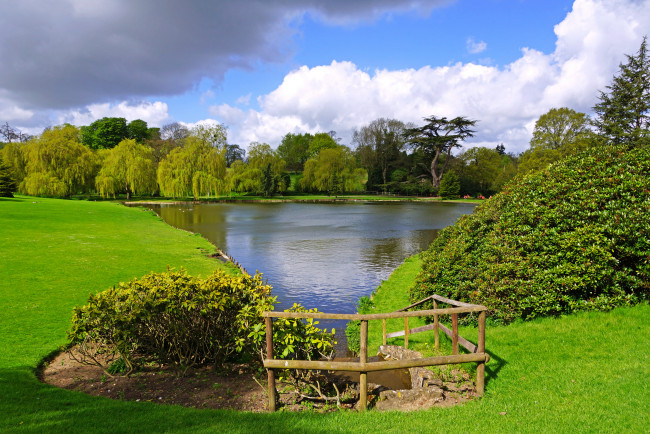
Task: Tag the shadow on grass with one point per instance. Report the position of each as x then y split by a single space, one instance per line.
28 404
11 199
493 367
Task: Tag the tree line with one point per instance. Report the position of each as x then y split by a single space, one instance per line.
111 157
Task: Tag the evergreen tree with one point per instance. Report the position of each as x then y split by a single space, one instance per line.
449 186
7 184
623 114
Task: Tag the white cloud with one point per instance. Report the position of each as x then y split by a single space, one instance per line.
591 42
474 47
154 113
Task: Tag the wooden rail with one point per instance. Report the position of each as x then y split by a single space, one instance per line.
477 352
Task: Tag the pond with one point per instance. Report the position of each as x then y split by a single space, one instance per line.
319 255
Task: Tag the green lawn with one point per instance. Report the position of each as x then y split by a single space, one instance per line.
586 372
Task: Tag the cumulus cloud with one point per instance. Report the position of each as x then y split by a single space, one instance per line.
475 47
507 99
154 113
71 53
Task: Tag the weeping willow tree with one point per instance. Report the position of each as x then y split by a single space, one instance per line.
127 168
263 174
196 169
334 170
57 164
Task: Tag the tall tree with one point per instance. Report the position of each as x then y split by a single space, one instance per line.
319 142
623 113
438 137
175 132
557 134
334 171
196 169
7 183
138 130
379 145
215 135
294 149
234 153
57 164
127 168
104 133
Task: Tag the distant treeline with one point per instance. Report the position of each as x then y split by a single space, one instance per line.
111 157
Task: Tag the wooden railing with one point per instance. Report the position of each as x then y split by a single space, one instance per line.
477 352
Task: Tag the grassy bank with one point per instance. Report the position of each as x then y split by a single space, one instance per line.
578 373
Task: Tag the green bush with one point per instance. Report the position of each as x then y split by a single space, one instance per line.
171 318
575 236
449 186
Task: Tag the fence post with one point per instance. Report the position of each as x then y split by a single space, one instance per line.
269 355
363 358
454 333
383 331
436 331
406 332
480 368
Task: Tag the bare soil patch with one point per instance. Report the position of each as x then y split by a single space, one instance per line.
234 387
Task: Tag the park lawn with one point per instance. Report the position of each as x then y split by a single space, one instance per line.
585 372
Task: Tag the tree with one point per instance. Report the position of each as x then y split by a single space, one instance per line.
319 142
196 169
234 153
174 132
13 156
263 174
623 113
438 137
379 145
501 149
215 135
449 186
104 133
127 168
138 130
334 170
294 149
479 168
557 134
560 128
7 183
57 164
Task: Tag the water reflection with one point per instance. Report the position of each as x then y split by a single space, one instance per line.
320 255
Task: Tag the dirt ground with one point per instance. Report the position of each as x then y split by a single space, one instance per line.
235 386
232 387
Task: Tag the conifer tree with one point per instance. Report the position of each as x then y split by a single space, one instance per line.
7 184
623 114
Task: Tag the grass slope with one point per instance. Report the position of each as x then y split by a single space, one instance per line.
577 373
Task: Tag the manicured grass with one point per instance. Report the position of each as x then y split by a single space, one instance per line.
585 372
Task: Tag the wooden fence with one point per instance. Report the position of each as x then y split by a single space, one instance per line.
476 354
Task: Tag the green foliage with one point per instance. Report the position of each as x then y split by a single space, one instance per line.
623 114
353 328
449 186
263 174
171 318
127 168
196 169
437 138
557 134
138 130
294 149
56 164
571 237
334 171
7 183
104 133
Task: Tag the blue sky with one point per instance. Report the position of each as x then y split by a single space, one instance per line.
266 68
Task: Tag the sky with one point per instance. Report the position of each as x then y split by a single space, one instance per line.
267 68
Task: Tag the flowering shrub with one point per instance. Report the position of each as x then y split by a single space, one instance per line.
575 236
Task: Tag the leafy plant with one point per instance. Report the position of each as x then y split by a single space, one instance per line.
574 236
170 318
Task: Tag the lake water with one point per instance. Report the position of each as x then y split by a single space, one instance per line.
320 255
